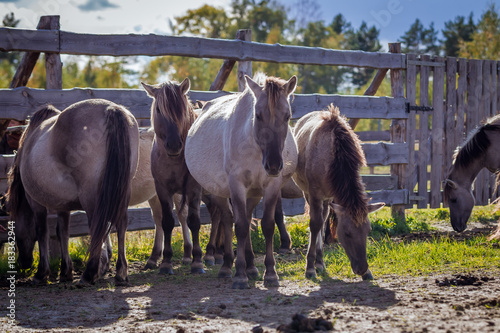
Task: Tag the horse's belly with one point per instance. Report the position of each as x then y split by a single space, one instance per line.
49 183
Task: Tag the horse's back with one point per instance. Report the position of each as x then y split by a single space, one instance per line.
204 146
73 148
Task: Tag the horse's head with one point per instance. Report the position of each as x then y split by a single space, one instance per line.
271 115
352 236
171 114
461 201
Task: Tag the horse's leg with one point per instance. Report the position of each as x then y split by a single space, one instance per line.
251 270
43 271
168 224
106 254
271 195
215 216
62 230
121 276
155 205
319 264
315 224
242 231
286 240
186 234
225 232
193 221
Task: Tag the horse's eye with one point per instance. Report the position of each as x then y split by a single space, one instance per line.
258 117
454 200
287 117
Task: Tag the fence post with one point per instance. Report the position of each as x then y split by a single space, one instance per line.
398 130
53 65
244 67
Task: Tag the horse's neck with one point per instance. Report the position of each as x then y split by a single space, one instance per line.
466 176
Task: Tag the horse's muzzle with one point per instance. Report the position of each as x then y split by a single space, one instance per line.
273 170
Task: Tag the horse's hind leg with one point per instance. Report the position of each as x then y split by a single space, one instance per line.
42 232
121 263
63 235
319 264
155 205
286 240
186 234
106 254
315 224
194 198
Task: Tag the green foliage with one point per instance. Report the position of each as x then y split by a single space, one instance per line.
456 32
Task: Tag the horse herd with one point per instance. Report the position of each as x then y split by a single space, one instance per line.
235 151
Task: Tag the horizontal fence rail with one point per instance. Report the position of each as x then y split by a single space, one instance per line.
21 102
56 41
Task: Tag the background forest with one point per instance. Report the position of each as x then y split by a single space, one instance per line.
271 22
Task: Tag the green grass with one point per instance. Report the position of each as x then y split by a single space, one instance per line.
394 247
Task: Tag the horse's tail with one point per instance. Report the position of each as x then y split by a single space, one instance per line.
114 186
16 201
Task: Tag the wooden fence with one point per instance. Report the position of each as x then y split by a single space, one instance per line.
421 142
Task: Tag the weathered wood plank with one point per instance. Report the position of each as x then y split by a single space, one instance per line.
474 95
380 182
244 67
494 111
483 178
398 129
391 198
450 111
374 135
437 146
21 102
461 102
383 153
411 125
155 45
423 144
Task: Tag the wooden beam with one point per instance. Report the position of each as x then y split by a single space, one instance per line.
244 67
155 45
398 129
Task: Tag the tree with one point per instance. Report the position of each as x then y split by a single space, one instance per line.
455 32
8 60
420 40
206 21
364 39
485 41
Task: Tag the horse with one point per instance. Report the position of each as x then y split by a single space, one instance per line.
91 149
241 147
476 153
328 168
171 116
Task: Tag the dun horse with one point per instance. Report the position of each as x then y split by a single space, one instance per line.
330 158
480 150
172 115
89 138
241 147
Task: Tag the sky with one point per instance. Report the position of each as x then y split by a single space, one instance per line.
392 17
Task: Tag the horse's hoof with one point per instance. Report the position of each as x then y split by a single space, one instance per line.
119 281
219 261
82 283
197 270
253 273
271 283
284 251
367 276
66 278
310 275
209 262
186 261
241 285
320 269
225 274
149 265
166 271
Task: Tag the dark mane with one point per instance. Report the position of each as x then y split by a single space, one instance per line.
274 88
343 175
172 104
476 144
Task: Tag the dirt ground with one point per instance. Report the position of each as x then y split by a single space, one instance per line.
183 303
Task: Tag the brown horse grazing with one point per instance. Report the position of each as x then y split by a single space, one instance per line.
91 149
330 158
172 115
480 150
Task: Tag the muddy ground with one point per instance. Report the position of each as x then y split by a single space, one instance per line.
154 303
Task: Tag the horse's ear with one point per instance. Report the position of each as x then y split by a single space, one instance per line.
290 85
336 207
254 86
149 89
375 206
185 85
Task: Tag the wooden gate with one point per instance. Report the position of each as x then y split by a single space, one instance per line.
461 94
